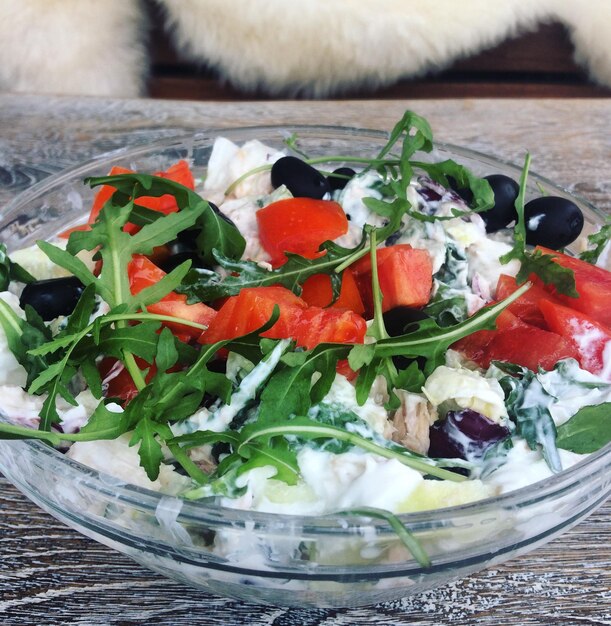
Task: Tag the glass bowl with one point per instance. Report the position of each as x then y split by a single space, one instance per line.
330 561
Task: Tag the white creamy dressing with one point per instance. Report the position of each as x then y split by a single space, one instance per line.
571 392
525 467
592 343
117 458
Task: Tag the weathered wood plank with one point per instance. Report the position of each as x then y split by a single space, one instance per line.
51 575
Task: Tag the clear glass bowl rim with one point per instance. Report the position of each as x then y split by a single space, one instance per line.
198 511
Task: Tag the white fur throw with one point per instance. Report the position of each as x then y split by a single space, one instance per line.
308 47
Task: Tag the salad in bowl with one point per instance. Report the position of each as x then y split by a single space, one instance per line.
279 339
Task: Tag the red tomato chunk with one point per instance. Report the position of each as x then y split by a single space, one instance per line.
299 225
405 275
309 326
144 273
593 285
591 339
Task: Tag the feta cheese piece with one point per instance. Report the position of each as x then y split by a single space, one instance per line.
228 162
456 388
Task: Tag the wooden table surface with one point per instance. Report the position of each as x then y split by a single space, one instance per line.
51 575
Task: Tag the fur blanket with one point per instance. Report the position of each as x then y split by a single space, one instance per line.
310 47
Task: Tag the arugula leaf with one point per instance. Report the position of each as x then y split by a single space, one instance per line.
562 278
597 242
278 454
430 340
216 232
202 285
149 450
141 339
587 431
104 424
483 196
534 422
11 271
406 537
416 133
308 429
290 391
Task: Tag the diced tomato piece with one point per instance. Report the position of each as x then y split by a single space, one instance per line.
118 381
144 273
474 346
593 285
517 342
309 326
591 339
405 275
299 225
179 173
526 307
250 310
317 291
528 346
317 325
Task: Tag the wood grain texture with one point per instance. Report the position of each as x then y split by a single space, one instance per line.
51 575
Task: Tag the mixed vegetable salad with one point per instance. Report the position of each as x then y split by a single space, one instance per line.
292 336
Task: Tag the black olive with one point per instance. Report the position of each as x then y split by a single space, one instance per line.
552 222
174 260
188 238
503 212
462 192
505 192
400 321
301 179
339 178
221 214
52 298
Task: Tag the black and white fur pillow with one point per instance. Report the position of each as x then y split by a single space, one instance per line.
307 47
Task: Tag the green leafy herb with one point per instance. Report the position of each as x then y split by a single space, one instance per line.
308 429
406 537
206 285
525 401
587 431
11 271
536 262
597 242
216 232
483 196
430 340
